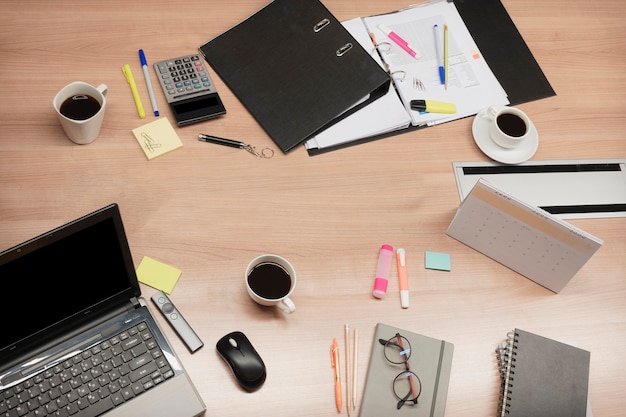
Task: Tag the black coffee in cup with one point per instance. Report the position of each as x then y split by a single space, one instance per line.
80 107
269 280
511 124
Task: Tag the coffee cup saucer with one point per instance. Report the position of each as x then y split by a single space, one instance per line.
517 155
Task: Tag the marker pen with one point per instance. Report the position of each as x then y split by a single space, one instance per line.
439 51
432 106
400 42
382 271
146 74
403 277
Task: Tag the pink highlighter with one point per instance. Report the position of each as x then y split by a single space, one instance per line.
385 257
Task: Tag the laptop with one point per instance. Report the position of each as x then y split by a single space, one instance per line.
77 338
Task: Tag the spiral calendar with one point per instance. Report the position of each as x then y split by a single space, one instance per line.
524 238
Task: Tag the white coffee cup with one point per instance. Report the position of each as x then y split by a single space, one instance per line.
270 280
81 130
509 126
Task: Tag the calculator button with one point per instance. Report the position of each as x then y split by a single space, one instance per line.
183 76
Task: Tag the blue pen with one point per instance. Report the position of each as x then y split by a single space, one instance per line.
146 74
442 71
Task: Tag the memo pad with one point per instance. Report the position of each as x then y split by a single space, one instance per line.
157 274
157 138
525 238
437 260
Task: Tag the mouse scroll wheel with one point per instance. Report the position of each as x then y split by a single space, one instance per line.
233 342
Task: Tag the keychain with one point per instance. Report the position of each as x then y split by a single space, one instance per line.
265 153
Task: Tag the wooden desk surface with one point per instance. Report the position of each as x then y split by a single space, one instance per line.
209 210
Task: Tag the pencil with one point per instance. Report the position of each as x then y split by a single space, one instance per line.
347 334
354 366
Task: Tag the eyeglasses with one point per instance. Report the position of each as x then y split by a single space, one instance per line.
407 386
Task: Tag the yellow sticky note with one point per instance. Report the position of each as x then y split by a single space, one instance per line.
157 138
157 274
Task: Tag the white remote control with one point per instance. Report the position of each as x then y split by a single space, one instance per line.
177 321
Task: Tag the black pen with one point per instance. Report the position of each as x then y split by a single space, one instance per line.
264 153
221 141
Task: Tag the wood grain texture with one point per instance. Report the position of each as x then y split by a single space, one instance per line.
208 210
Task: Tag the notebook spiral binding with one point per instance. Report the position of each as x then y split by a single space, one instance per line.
506 360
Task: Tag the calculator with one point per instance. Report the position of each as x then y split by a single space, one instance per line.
189 90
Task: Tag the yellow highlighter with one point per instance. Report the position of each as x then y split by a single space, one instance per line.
432 106
133 88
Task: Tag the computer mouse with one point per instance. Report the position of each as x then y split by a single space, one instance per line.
243 359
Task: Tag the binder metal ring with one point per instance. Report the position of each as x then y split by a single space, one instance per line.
321 25
344 49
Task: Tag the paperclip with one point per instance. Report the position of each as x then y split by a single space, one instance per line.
149 143
418 84
265 153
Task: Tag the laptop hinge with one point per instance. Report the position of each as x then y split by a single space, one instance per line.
134 301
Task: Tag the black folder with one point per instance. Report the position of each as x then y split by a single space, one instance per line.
504 50
296 69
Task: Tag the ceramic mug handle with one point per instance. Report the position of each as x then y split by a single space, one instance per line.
287 306
103 89
491 112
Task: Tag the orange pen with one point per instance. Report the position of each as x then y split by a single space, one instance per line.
403 277
334 360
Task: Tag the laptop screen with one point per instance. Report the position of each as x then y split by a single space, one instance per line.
65 276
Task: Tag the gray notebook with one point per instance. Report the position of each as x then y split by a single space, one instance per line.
430 360
543 377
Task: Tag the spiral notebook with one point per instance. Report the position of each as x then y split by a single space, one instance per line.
542 377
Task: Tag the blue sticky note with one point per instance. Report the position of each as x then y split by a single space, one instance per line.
437 260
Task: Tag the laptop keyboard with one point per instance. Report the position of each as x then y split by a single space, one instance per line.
92 382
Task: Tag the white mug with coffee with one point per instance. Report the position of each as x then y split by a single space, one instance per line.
80 109
509 126
270 280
